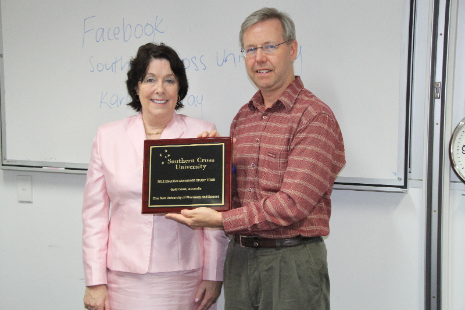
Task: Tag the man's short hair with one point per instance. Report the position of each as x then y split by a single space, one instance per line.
265 14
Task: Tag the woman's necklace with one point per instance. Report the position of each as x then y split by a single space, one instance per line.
154 133
159 132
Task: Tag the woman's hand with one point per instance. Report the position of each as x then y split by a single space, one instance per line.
96 298
207 293
214 134
209 134
234 149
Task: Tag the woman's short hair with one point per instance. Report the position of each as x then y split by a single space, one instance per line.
138 69
265 14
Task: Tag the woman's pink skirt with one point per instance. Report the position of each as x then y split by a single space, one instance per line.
151 291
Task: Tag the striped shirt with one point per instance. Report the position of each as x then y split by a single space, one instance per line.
288 157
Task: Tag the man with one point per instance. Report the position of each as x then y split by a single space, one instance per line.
289 152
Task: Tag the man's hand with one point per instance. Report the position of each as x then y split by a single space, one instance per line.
199 217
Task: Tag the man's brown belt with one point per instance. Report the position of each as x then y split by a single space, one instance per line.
258 242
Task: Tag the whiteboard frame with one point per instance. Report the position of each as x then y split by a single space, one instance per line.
398 185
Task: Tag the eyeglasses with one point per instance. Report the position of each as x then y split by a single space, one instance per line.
267 49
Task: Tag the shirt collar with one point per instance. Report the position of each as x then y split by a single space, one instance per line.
287 98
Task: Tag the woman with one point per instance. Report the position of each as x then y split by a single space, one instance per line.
134 260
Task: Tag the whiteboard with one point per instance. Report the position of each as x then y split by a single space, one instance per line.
64 66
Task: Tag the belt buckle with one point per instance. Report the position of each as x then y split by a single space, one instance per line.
255 241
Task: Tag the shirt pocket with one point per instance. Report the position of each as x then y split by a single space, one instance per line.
273 164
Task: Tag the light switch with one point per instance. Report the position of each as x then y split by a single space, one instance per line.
24 188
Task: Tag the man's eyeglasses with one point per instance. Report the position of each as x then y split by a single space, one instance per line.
267 49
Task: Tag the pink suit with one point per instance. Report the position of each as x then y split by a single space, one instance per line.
131 241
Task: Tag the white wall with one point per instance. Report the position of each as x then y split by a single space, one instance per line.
40 255
375 247
457 250
376 250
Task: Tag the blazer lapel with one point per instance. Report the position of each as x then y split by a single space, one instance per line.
174 129
136 133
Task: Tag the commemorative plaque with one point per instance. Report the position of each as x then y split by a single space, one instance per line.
186 174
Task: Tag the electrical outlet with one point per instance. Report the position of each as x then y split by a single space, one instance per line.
24 188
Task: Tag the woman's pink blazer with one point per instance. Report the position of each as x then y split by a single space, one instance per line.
121 240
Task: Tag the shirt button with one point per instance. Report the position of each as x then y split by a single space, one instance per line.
264 116
253 165
257 140
148 224
250 189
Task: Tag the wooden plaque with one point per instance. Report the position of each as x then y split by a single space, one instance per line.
186 174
